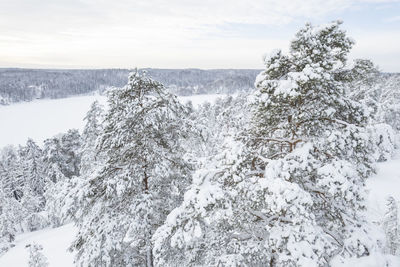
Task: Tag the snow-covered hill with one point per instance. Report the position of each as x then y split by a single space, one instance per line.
42 119
56 241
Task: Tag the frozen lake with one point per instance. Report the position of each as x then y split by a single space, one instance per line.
41 119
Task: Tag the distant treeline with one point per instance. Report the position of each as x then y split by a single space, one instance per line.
18 85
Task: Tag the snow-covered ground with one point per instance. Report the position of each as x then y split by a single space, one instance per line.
56 241
41 119
385 183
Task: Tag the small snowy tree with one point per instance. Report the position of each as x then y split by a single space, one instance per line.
142 179
36 256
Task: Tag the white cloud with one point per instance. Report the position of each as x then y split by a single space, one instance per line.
392 19
158 33
381 47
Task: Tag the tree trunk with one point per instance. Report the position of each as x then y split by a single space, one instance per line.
149 257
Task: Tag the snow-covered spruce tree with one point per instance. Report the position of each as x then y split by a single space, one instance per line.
93 127
142 178
10 172
215 121
33 168
391 226
290 192
52 159
389 100
61 155
70 193
12 215
364 85
71 146
36 257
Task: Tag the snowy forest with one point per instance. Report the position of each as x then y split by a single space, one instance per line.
17 85
273 175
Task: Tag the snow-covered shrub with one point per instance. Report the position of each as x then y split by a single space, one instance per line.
36 256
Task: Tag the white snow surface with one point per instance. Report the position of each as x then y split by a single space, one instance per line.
56 241
382 185
42 119
385 183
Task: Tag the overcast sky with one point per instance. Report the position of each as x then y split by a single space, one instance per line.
183 33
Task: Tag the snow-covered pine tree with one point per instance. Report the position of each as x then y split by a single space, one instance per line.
391 226
291 193
36 256
142 178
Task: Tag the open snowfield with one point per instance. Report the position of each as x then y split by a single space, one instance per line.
56 241
41 119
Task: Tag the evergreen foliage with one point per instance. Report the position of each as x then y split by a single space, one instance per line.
290 192
141 180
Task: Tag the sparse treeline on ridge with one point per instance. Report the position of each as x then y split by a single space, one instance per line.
274 176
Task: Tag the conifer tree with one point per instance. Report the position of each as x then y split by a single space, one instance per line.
290 192
93 127
11 217
142 178
33 168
